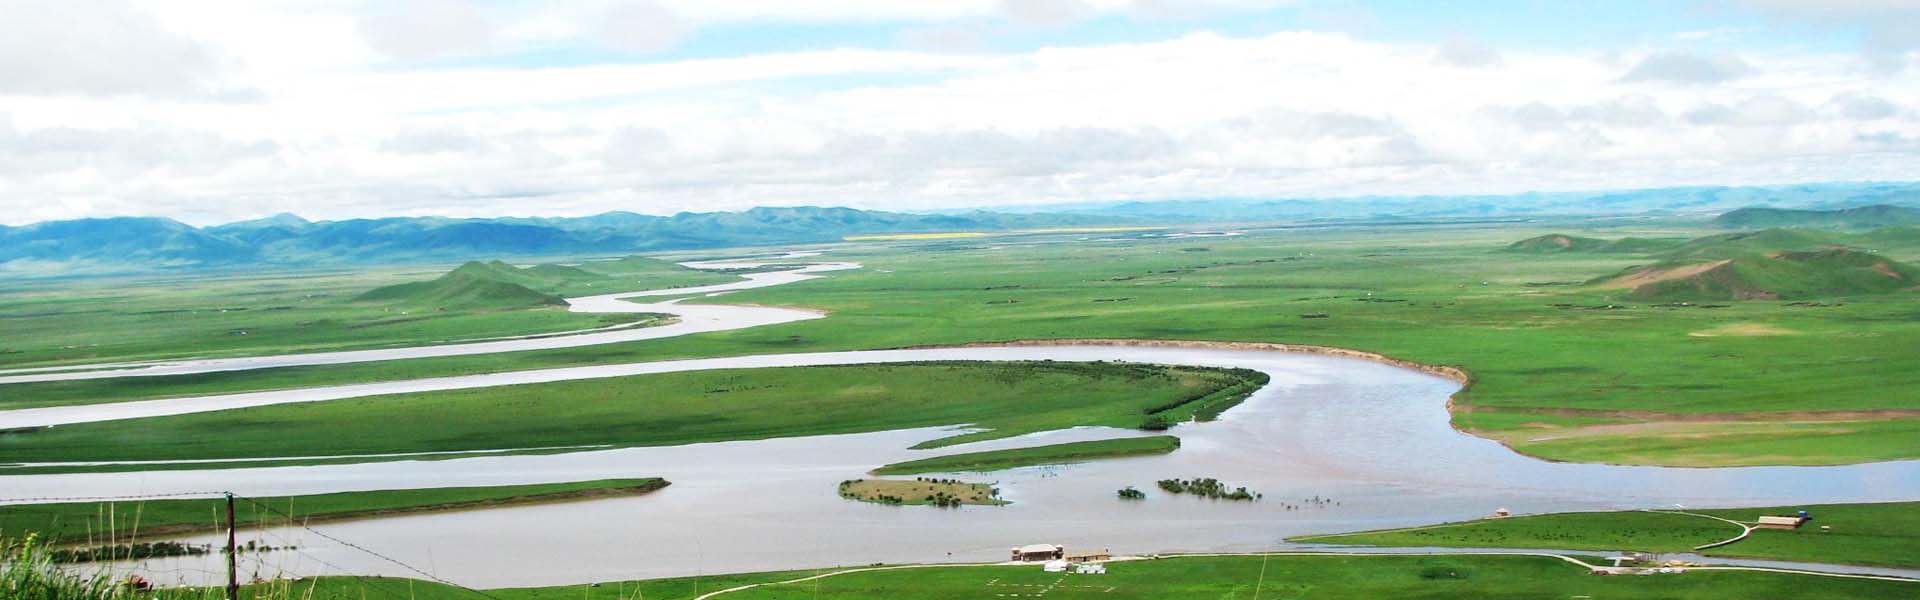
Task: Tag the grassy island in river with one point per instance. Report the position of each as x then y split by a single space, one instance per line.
76 521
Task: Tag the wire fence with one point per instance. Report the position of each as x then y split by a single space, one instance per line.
264 528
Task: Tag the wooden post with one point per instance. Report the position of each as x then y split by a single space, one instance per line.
233 555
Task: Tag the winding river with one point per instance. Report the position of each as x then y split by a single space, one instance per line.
1372 438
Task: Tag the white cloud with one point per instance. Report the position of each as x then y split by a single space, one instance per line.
103 47
1758 111
337 132
1865 107
1044 13
1466 52
424 29
1681 66
641 27
1891 27
958 37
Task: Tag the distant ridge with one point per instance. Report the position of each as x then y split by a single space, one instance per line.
1554 243
146 243
1863 217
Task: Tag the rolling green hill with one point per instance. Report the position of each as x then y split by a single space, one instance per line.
1784 275
1863 217
1555 243
1747 243
475 285
498 285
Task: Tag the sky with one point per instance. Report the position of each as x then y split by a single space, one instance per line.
210 111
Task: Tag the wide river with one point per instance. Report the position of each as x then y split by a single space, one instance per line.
1373 439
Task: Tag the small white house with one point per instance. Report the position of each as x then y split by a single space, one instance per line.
1055 566
1090 569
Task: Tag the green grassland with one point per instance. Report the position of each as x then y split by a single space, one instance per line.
109 320
1562 369
1556 243
1004 399
335 587
390 588
1869 534
1051 454
1320 577
127 521
1328 577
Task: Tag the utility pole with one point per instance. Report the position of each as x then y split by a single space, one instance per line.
233 555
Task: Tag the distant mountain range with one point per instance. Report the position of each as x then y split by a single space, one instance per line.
124 244
1688 200
144 243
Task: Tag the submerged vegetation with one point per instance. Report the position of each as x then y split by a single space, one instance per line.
1207 487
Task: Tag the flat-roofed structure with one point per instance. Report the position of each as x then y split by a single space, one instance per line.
1781 522
1039 553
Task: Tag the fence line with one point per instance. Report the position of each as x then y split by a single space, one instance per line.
296 522
52 499
266 529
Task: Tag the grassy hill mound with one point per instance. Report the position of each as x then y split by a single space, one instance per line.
475 285
497 285
1862 217
1765 241
1554 243
1889 238
1781 275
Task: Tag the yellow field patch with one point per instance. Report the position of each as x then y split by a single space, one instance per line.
895 237
958 235
1742 330
1088 229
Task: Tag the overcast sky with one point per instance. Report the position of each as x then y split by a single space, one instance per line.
214 111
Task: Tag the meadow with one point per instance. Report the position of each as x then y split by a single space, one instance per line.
1001 399
1561 369
50 323
1882 534
1280 576
1321 577
1051 454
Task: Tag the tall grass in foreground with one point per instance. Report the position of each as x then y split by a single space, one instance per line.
28 572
